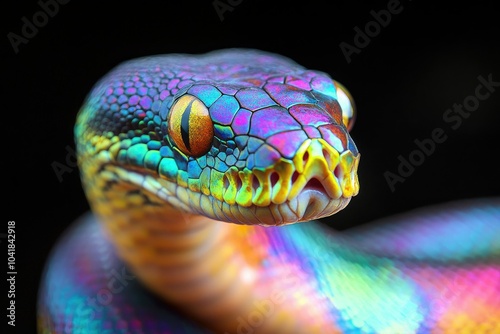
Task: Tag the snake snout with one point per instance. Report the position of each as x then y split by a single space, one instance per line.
317 166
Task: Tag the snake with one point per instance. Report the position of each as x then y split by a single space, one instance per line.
207 175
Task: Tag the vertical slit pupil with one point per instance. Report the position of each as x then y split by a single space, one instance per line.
185 125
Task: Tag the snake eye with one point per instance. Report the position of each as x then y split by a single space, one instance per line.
190 126
346 104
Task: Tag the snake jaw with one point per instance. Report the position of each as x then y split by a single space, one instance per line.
317 166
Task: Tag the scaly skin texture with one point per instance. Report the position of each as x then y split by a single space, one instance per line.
191 163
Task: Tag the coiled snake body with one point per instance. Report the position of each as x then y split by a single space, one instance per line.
191 163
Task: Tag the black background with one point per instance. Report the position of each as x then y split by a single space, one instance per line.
403 81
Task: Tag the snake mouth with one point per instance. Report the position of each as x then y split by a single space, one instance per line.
317 167
317 182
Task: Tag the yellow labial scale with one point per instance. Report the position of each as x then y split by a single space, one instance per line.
194 185
205 181
263 194
244 195
316 164
335 191
114 149
349 183
333 156
297 186
230 193
356 180
102 144
217 184
280 191
299 156
104 156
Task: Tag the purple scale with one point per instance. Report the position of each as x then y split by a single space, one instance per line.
119 91
184 83
224 109
287 143
253 98
312 132
271 120
130 90
266 156
227 90
172 83
288 96
133 100
309 115
299 84
164 94
146 102
142 91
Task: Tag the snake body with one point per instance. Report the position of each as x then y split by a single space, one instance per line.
196 168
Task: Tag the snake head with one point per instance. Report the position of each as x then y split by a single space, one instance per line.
240 136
